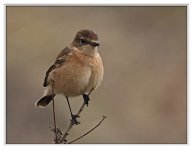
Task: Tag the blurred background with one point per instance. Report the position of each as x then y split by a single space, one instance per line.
143 93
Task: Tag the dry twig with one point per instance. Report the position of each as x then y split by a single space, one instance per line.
54 115
103 118
60 137
63 139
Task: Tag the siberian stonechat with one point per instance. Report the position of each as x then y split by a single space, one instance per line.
77 70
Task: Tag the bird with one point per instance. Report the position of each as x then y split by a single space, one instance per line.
77 71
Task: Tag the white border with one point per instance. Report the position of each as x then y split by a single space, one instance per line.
101 2
98 146
2 76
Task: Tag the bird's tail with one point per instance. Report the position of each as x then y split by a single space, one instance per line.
44 101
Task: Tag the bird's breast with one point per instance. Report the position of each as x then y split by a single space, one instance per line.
78 75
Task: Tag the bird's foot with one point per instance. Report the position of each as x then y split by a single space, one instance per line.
74 119
86 99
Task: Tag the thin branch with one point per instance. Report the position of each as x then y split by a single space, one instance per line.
103 118
59 136
54 116
63 139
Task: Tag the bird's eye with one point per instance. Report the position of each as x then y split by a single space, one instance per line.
82 41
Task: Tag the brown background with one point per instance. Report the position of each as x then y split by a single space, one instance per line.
143 93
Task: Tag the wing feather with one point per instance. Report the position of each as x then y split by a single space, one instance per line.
60 59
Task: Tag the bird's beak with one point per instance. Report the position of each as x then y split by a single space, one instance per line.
94 44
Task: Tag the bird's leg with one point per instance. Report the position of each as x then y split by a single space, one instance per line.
86 97
73 120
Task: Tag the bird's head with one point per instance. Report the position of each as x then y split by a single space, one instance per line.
86 41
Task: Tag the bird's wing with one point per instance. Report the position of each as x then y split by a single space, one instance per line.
60 59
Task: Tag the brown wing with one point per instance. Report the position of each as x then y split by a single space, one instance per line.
60 59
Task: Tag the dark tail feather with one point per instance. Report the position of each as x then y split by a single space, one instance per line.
44 101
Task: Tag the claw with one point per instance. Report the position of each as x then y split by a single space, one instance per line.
74 120
86 99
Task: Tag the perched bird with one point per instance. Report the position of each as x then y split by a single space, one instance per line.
77 70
